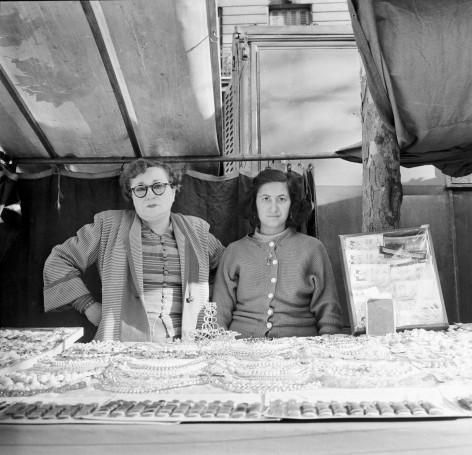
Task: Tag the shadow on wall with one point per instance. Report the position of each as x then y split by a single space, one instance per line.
337 218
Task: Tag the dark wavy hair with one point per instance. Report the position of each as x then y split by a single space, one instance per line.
300 209
139 166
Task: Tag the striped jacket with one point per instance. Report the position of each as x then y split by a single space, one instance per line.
113 242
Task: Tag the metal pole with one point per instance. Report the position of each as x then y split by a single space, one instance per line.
172 159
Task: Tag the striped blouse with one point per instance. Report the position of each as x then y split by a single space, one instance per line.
162 283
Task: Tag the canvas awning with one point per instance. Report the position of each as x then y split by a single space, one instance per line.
418 63
109 78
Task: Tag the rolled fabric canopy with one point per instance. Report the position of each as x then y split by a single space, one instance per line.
418 65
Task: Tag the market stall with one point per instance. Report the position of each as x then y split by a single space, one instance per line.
407 392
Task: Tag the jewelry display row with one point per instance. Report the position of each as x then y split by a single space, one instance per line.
190 410
407 359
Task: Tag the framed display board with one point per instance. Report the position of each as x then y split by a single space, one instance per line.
400 265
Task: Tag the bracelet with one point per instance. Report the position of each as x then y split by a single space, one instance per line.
88 305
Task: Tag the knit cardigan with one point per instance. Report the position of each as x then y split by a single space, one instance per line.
277 290
113 242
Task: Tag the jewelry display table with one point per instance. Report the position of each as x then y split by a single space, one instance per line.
408 392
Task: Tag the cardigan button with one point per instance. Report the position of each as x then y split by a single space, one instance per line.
269 325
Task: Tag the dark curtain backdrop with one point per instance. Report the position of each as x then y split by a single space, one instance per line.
54 207
218 200
43 226
10 217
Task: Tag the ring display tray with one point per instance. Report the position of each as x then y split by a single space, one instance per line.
345 404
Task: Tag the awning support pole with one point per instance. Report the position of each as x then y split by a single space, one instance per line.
173 159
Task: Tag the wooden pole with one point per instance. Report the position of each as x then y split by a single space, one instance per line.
382 191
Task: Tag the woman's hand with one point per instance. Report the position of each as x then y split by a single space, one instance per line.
94 313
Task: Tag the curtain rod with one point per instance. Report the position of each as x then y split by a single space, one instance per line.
172 159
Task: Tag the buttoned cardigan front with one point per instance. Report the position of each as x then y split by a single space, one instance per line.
277 289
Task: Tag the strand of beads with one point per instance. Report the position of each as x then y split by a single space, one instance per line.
122 382
169 367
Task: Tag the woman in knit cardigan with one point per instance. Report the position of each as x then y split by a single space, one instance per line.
276 282
154 265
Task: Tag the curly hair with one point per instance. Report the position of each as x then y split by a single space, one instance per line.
140 166
300 209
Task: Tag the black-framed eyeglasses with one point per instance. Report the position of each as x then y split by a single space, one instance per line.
157 188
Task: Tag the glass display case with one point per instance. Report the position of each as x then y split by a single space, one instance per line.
397 265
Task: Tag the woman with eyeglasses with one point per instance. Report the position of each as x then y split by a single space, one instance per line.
154 265
276 282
